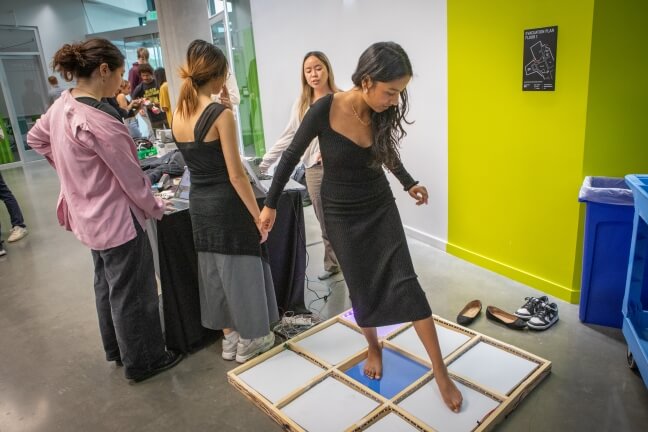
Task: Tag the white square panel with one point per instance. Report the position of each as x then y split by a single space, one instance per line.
334 344
449 341
349 317
391 423
280 375
493 367
427 405
329 406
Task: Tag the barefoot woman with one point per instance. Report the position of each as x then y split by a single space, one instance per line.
359 133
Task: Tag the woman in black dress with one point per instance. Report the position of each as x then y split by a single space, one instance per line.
359 132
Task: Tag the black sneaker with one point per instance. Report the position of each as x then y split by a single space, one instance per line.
530 307
546 315
171 359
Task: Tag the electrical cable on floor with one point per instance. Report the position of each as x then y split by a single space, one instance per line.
290 324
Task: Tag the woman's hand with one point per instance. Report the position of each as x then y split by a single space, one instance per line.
262 231
168 205
267 218
135 104
419 193
225 99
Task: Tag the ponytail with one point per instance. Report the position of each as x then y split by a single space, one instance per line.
188 97
204 63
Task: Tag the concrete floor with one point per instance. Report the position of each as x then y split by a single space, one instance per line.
53 376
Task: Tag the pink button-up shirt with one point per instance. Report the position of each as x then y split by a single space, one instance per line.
101 180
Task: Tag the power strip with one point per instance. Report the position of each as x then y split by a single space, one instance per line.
297 320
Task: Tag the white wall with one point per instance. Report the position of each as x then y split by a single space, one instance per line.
284 30
63 23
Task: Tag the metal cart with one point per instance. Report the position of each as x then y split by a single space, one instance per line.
635 301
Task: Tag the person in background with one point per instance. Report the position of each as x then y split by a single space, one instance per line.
105 200
18 227
165 100
149 90
55 89
130 107
317 80
234 279
133 74
359 132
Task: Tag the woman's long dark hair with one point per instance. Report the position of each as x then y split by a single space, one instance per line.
384 62
160 76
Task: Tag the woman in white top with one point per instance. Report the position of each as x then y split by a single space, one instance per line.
317 81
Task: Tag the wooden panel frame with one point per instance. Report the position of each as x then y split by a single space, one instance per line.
507 403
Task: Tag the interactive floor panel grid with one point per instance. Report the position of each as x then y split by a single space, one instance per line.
314 382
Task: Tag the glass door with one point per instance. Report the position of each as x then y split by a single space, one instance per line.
231 28
24 100
218 36
8 146
243 59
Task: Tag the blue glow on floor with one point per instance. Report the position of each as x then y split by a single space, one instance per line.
398 373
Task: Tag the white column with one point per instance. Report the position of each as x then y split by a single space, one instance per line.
179 23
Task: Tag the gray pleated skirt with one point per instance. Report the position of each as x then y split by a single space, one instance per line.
236 291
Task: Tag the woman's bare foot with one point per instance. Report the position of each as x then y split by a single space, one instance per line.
450 393
373 365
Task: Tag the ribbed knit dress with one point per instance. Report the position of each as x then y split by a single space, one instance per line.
362 221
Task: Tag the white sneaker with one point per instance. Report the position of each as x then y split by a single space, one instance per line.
230 343
248 348
2 251
16 234
529 308
546 315
326 274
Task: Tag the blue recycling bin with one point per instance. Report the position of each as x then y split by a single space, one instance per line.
606 248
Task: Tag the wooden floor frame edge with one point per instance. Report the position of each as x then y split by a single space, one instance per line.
507 403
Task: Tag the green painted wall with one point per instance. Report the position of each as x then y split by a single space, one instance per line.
516 158
616 138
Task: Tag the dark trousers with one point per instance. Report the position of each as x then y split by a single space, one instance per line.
127 305
12 205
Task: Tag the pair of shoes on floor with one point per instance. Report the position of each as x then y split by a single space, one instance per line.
236 347
16 234
538 312
171 359
326 274
473 309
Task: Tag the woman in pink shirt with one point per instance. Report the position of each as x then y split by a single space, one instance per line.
105 199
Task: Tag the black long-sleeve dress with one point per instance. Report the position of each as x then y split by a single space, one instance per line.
362 221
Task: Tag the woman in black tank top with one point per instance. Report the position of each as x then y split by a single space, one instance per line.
236 290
